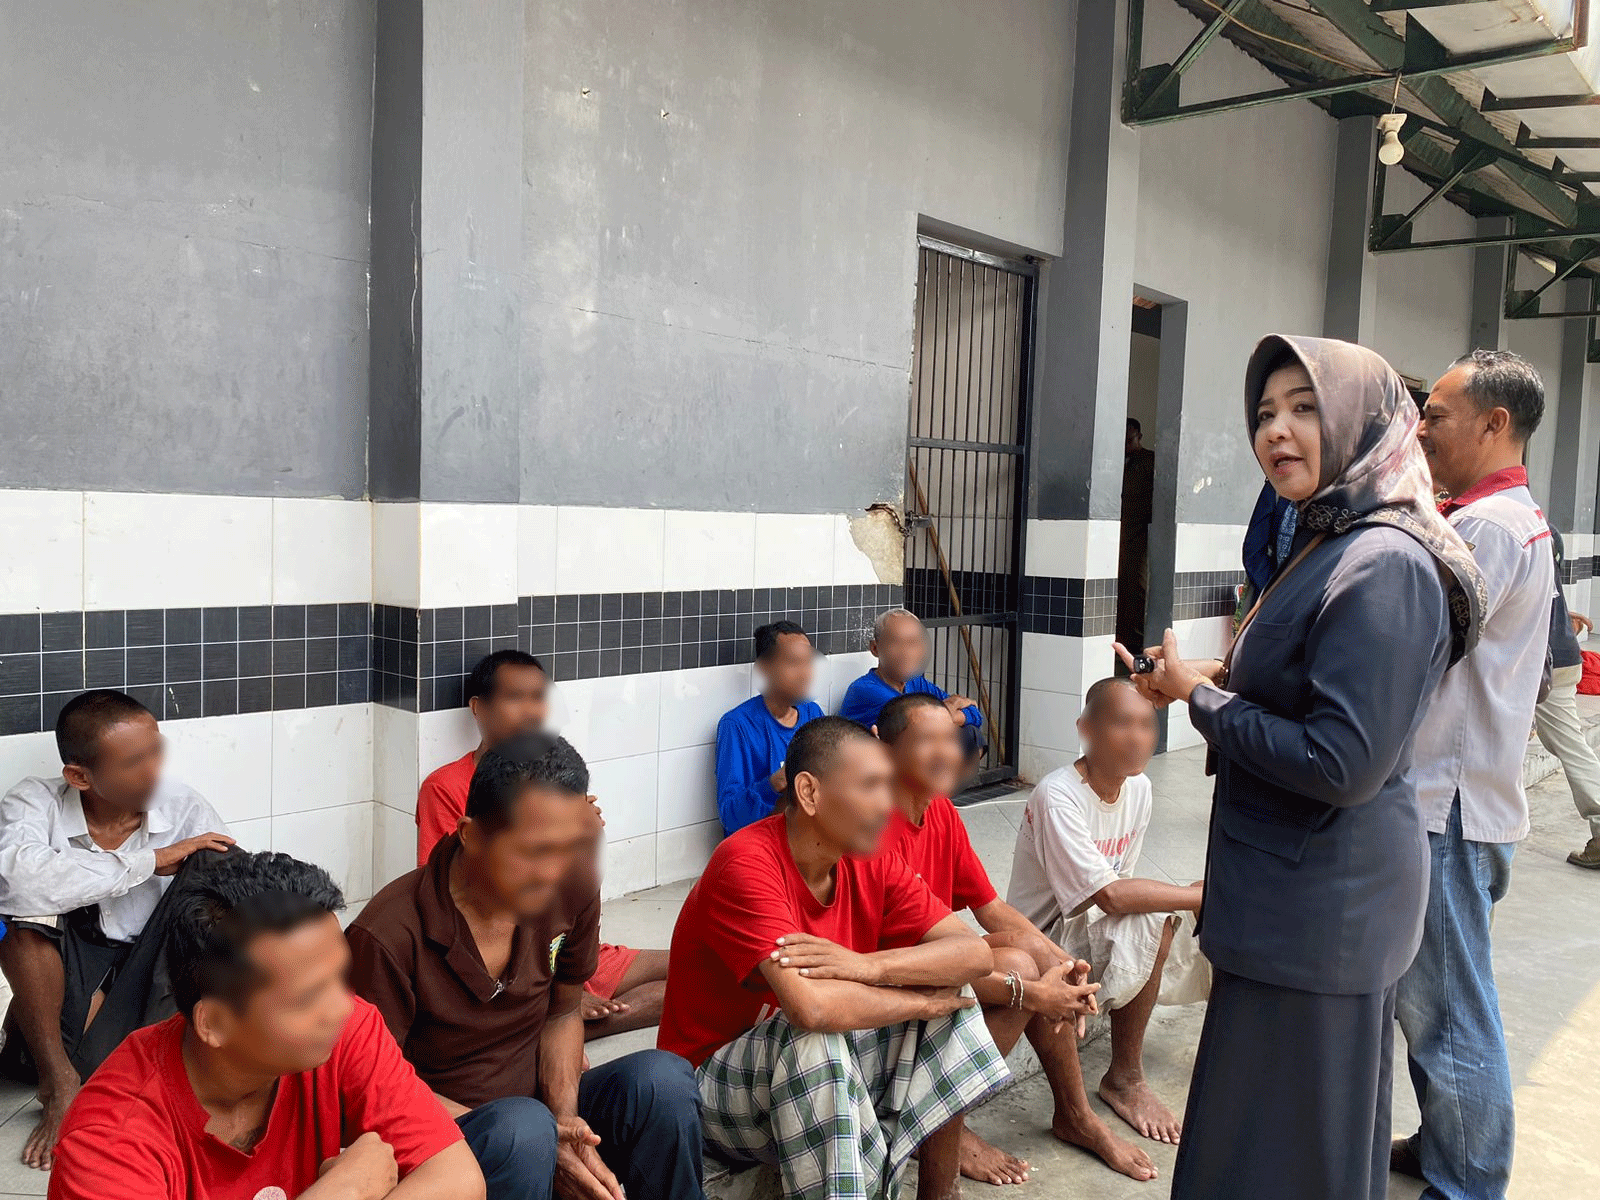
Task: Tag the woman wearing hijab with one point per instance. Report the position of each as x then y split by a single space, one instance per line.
1317 868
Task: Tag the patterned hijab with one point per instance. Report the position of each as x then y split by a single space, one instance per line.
1373 470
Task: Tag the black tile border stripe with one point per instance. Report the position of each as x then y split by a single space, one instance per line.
185 662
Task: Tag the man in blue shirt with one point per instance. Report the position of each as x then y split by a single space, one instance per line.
900 644
753 739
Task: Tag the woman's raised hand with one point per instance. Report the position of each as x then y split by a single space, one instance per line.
1174 678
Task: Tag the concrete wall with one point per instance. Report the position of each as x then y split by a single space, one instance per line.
1233 218
183 245
1423 318
722 200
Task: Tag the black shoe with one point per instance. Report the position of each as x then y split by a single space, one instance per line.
1403 1158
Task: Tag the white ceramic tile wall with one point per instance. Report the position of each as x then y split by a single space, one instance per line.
707 550
536 549
463 554
42 567
165 551
609 550
396 554
1072 549
321 552
796 550
1209 548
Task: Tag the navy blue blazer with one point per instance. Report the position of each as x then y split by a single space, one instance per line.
1317 867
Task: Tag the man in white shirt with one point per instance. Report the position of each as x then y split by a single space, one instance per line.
1072 876
1469 752
85 860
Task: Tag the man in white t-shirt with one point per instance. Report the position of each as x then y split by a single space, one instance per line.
1072 876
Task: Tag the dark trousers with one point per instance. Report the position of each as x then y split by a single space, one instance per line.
644 1107
133 976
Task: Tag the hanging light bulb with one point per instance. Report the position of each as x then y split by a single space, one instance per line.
1390 151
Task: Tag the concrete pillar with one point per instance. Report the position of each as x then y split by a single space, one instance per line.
447 152
1570 475
1350 305
1489 265
1087 300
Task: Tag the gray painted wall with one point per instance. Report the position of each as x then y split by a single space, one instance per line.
1233 219
722 200
183 245
1423 311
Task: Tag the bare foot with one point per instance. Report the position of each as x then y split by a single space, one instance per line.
1136 1104
989 1164
40 1150
1092 1134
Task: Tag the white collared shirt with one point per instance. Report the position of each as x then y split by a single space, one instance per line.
50 865
1475 734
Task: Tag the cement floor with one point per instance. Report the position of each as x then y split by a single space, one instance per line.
1547 951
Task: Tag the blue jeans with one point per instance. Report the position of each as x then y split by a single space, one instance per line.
1449 1010
646 1109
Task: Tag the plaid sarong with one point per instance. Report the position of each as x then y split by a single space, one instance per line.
840 1114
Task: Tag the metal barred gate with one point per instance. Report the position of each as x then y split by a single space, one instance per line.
967 479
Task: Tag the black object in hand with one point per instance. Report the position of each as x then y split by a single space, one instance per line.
1143 664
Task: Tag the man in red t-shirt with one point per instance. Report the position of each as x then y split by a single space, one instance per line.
272 1081
1036 987
819 990
509 694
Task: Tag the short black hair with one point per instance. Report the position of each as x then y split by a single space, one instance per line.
1135 427
505 770
767 636
84 718
480 680
228 901
1101 689
1501 379
816 744
895 718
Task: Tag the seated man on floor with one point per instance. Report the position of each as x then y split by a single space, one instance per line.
819 989
273 1081
1035 988
477 962
509 694
753 738
85 858
900 644
1072 876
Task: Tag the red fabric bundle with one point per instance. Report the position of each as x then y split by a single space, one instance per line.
1589 685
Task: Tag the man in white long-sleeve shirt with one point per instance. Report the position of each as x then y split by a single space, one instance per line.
85 860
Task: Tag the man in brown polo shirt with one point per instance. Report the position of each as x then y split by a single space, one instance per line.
477 961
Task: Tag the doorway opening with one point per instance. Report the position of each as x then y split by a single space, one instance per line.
967 479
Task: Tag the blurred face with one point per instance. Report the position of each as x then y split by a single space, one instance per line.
1133 440
519 703
1455 434
1121 735
293 1018
901 649
927 754
127 765
786 671
853 800
524 862
1288 439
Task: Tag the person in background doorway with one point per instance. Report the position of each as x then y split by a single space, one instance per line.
1035 987
1268 541
1317 874
1133 554
900 644
86 859
1470 749
753 738
509 695
1556 717
1072 876
477 962
818 989
272 1081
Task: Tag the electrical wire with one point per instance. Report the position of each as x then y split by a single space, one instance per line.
1315 53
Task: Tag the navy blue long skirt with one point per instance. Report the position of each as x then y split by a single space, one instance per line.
1290 1097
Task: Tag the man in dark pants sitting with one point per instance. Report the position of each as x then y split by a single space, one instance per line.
477 961
86 859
